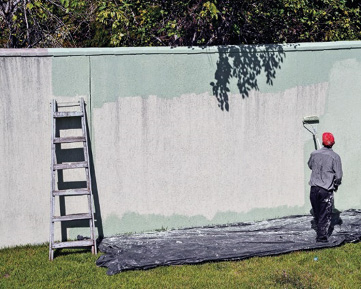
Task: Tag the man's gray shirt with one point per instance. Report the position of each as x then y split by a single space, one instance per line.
326 169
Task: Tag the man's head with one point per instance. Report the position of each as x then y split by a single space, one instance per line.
328 139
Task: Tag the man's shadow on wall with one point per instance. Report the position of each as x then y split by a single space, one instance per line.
245 63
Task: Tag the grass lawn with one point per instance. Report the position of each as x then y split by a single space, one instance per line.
28 267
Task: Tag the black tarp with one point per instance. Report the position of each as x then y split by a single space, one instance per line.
226 242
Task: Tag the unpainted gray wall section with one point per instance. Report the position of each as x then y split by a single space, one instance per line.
24 149
200 163
343 118
25 112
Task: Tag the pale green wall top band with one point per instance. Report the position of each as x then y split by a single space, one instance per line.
173 50
111 73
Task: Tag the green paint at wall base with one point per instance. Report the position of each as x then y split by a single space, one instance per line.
134 223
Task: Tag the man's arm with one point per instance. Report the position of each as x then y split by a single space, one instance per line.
338 172
310 162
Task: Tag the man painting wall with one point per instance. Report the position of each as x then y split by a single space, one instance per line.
326 176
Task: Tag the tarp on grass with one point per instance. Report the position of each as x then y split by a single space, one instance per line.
227 242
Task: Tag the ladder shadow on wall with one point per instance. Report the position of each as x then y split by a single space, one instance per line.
76 154
245 64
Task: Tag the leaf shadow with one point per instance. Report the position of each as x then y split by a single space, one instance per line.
245 64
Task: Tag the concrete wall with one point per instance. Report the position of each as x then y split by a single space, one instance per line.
180 136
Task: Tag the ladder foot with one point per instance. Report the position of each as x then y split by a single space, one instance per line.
51 255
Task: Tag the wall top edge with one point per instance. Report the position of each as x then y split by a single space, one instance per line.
289 47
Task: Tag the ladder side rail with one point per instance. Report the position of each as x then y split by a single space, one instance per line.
53 174
88 176
85 135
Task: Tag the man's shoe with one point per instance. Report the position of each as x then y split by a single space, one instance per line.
321 240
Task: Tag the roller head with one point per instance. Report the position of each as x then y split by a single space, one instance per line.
311 119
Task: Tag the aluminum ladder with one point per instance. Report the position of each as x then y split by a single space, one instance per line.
77 110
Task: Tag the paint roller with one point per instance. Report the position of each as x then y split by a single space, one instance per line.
310 123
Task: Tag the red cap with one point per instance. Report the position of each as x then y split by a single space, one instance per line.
328 139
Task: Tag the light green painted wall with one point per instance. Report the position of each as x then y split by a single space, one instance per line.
71 76
171 72
163 75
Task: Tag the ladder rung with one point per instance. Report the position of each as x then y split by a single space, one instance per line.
71 192
82 243
68 113
68 104
75 165
69 139
72 217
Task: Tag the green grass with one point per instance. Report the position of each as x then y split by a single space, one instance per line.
28 267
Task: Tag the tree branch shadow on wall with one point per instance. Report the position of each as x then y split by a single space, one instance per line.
245 63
